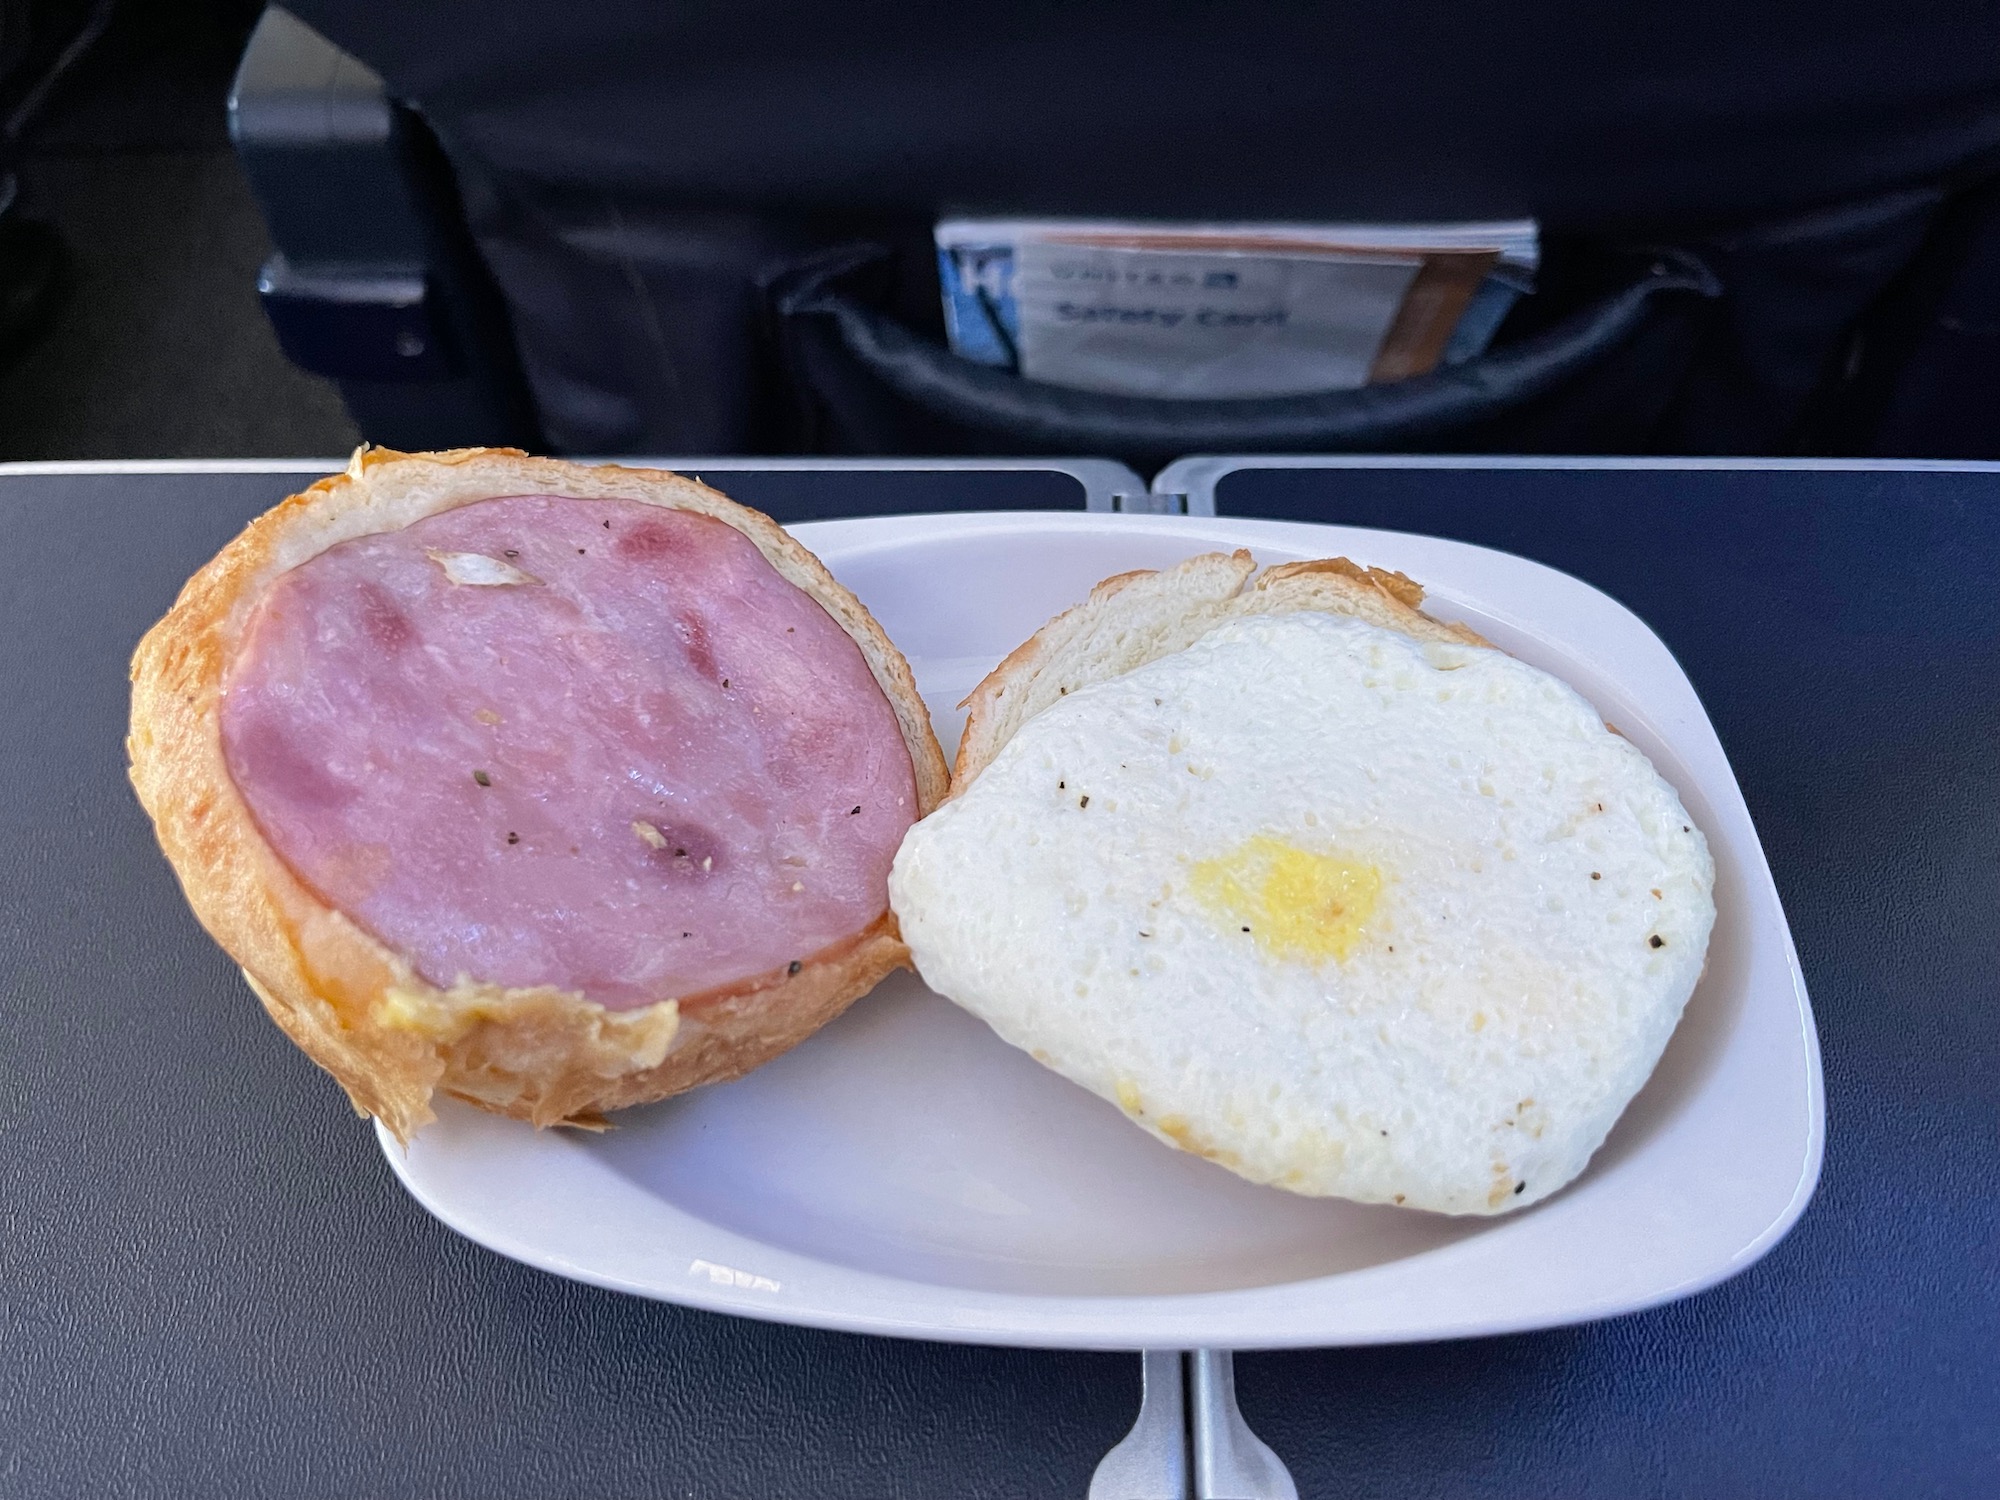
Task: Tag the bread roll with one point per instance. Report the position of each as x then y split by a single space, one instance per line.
516 779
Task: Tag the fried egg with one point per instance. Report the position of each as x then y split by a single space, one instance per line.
1347 913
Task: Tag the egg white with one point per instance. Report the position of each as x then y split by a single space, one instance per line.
1541 916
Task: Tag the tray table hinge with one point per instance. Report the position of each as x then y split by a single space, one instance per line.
1190 1441
1150 504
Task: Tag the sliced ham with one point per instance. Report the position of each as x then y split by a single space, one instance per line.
593 744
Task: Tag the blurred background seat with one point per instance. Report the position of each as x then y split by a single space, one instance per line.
655 190
151 343
1768 228
40 41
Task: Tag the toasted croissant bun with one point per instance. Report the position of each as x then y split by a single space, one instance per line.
299 735
1134 618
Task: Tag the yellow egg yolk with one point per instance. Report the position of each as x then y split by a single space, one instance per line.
1293 903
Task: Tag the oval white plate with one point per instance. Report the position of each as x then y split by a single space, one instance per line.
906 1172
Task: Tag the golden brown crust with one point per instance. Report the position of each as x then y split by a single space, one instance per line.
1132 618
1060 656
358 1008
1397 588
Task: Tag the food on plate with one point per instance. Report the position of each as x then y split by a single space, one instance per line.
555 788
1314 885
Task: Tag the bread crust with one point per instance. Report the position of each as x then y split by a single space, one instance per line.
1133 618
356 1007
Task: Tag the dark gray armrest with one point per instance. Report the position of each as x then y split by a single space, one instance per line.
295 88
375 282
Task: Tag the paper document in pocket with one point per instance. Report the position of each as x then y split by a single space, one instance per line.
1207 311
1194 324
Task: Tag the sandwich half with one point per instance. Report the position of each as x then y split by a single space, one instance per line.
1314 885
555 788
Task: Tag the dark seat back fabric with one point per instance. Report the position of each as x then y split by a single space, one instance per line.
648 185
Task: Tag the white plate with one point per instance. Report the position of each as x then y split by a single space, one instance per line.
906 1172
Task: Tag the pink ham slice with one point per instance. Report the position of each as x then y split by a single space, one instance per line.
592 744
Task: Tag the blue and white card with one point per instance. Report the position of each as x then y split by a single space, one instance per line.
1216 311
